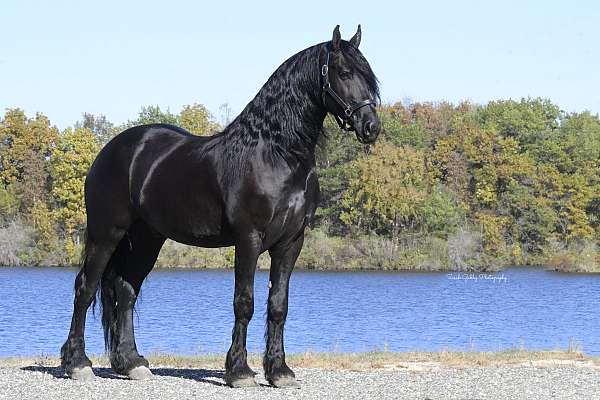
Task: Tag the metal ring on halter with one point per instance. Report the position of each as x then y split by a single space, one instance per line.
349 109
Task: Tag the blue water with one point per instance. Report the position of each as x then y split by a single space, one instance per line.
189 312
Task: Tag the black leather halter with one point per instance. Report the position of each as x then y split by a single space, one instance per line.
344 122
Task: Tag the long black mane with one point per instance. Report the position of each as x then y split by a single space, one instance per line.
288 111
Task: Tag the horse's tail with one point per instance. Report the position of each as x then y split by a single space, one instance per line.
82 261
108 293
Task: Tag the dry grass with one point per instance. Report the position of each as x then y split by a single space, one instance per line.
346 361
374 360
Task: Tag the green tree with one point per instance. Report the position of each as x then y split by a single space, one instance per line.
25 150
70 162
580 141
528 120
532 220
335 152
387 190
22 139
103 129
151 115
417 124
194 118
43 222
9 204
197 119
439 213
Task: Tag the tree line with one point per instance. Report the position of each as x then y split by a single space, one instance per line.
447 186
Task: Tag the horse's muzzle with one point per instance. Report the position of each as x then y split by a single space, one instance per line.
369 131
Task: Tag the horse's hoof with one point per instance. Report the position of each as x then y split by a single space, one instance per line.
246 382
285 382
140 373
82 374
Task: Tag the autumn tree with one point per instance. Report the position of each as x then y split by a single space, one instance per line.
153 115
520 176
25 150
101 127
70 161
387 189
197 119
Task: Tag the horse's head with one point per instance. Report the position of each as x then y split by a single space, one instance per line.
350 88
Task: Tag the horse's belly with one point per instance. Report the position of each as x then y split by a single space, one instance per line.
188 212
193 228
202 241
196 223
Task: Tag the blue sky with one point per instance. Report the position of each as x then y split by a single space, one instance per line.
111 57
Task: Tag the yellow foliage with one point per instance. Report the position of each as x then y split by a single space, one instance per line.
70 162
198 120
493 228
571 193
43 222
389 185
22 139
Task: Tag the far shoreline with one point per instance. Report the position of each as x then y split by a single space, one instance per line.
544 268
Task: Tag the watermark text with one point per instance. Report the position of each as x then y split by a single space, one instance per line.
476 277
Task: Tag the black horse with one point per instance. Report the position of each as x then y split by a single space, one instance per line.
252 186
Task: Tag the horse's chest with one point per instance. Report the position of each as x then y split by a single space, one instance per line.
295 208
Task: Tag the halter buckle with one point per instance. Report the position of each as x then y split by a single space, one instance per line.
324 70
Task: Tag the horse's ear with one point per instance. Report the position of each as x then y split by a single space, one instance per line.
355 41
337 38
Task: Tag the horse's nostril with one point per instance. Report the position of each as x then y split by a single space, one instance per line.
369 127
375 128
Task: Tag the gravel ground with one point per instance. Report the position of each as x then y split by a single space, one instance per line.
413 382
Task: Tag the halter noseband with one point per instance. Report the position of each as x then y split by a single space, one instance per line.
345 122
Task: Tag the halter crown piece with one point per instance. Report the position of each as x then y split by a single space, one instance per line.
345 122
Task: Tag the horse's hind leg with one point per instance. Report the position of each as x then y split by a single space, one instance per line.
98 251
128 267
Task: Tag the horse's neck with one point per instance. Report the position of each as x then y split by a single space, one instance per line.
287 113
288 130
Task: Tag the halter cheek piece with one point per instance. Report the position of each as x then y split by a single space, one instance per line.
344 122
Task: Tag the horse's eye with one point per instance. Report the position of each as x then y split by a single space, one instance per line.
345 75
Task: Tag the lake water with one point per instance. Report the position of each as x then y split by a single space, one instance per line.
190 311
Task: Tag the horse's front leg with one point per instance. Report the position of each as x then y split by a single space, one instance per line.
237 371
283 258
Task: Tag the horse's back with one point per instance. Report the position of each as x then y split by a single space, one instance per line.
161 174
112 167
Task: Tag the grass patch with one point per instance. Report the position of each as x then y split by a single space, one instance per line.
343 361
374 360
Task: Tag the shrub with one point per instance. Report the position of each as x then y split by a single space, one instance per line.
15 241
465 251
581 256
